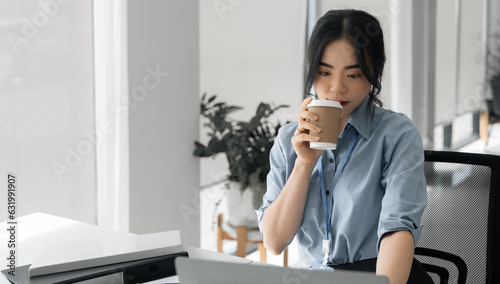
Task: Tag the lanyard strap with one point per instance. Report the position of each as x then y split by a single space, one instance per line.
323 187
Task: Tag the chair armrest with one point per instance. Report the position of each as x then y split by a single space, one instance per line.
455 259
442 272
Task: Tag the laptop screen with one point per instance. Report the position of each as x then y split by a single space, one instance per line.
195 271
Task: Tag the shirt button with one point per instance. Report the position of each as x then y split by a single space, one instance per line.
331 160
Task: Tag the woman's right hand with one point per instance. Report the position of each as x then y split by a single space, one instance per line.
283 217
301 138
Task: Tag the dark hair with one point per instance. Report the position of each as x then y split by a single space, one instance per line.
366 35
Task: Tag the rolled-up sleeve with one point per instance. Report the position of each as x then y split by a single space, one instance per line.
279 169
403 180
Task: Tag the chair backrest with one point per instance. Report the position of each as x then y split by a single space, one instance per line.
463 214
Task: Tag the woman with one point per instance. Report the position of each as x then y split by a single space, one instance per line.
373 222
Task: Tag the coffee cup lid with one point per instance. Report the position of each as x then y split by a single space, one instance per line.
323 145
327 103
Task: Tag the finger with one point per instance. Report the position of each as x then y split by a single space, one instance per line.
300 138
305 115
305 126
298 131
305 102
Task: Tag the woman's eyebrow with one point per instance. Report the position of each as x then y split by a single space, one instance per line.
354 66
326 65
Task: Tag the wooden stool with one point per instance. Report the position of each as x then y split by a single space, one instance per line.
242 242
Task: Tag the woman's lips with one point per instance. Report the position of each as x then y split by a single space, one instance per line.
342 103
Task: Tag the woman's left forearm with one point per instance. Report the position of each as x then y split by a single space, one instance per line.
395 256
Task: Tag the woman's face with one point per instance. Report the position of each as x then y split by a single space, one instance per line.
339 77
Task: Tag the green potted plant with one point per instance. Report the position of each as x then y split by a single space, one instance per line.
246 145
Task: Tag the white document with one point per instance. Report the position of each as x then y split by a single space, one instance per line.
60 257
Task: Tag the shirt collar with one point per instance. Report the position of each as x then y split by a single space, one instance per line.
361 120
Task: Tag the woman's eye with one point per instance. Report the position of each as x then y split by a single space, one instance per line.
353 76
323 73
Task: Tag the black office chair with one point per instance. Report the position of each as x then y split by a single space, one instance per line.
460 241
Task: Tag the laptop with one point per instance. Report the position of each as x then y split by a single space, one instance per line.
196 271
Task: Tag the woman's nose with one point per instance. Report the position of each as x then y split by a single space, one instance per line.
337 85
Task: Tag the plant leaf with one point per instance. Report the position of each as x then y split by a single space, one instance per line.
212 98
231 109
201 150
216 146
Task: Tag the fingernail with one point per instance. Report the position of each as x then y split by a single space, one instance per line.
314 117
316 137
317 129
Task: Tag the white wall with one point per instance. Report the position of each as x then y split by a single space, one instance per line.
251 52
454 98
46 86
471 47
400 57
445 61
164 175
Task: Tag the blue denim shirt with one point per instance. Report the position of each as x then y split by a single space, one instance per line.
381 189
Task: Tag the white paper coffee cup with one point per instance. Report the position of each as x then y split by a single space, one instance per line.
328 113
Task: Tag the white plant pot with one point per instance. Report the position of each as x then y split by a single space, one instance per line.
240 211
